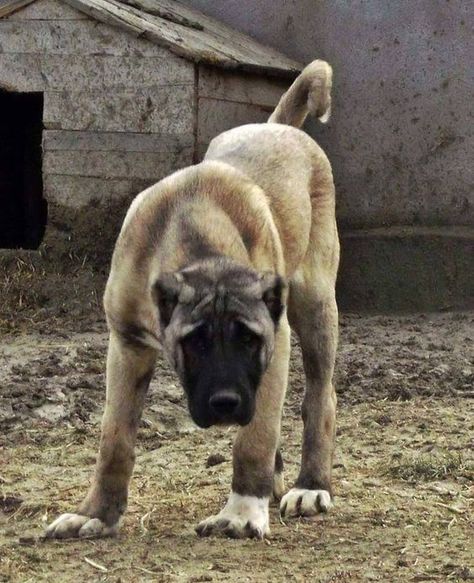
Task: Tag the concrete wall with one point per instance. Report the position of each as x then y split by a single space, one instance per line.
400 139
401 136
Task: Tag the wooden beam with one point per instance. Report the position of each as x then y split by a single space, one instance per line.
8 7
189 34
89 141
123 165
165 110
114 15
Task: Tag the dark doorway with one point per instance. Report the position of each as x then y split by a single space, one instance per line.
22 206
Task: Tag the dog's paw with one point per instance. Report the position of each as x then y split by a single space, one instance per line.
79 526
241 517
300 502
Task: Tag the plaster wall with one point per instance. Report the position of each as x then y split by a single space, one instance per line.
401 136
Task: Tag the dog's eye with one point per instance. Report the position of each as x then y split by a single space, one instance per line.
242 334
198 340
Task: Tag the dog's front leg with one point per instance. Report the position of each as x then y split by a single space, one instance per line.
129 371
246 511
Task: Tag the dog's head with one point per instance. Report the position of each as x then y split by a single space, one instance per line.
218 322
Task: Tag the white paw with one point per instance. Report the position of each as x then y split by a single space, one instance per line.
241 517
300 502
79 526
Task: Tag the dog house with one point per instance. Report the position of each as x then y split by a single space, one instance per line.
101 98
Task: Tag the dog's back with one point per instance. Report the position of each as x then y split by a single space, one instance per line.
278 151
287 164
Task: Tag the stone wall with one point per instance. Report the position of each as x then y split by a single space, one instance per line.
401 135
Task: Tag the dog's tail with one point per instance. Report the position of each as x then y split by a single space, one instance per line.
310 93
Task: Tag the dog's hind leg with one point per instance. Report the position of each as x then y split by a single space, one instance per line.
255 454
312 311
278 481
129 371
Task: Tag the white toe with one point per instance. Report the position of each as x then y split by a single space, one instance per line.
77 525
241 517
301 502
96 528
66 526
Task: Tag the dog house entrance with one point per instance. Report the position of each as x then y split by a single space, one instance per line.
22 206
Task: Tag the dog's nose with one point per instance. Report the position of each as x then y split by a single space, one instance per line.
225 403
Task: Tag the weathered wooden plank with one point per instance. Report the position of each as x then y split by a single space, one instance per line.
241 87
126 165
20 75
114 14
216 116
213 43
63 140
204 40
159 110
213 33
10 6
62 72
85 37
48 10
78 191
173 12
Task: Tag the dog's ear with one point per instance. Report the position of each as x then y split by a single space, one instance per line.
168 291
273 286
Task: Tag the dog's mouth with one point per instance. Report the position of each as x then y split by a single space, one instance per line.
228 421
206 419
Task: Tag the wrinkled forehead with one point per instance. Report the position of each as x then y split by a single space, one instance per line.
207 278
219 306
219 292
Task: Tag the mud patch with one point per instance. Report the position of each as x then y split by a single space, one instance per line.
64 280
402 473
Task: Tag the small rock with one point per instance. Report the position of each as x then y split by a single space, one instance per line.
466 574
52 412
372 482
383 420
27 540
400 394
10 503
214 460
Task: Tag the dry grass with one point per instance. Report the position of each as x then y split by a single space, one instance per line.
397 517
427 467
34 289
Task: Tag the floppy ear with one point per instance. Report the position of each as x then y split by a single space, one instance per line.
167 291
273 287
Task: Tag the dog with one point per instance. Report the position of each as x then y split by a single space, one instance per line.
212 265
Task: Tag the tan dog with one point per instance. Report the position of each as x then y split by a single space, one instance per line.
211 264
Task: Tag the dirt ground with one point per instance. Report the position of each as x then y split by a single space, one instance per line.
402 474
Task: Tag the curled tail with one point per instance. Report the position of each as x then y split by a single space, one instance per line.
310 93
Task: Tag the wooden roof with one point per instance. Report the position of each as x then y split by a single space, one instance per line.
183 31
